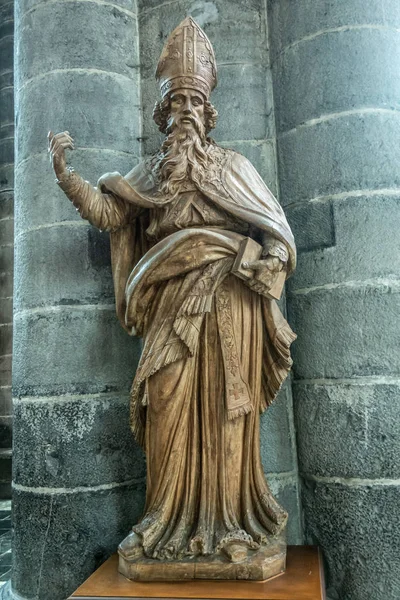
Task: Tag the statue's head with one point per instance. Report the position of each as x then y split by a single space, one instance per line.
187 74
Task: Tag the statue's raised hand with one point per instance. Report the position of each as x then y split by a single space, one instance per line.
58 143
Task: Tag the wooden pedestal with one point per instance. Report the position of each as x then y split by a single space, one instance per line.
302 580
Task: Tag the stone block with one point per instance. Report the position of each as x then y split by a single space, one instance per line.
244 103
99 109
66 536
338 330
25 6
5 430
6 231
92 36
78 441
356 152
6 284
151 136
285 489
277 434
72 350
6 52
7 111
5 368
357 528
5 338
365 415
291 22
7 174
311 79
6 13
367 244
6 259
41 259
5 399
6 204
42 202
6 310
235 29
6 151
262 156
312 224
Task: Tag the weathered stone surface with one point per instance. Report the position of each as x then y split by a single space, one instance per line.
312 224
82 101
6 204
78 441
6 231
338 331
6 151
357 528
277 435
66 536
367 244
353 152
326 64
6 309
5 400
41 202
64 351
5 338
6 284
85 278
262 156
285 489
239 86
236 29
88 39
6 51
364 415
7 173
7 111
291 22
32 5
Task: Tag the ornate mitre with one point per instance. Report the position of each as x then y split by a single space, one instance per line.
187 60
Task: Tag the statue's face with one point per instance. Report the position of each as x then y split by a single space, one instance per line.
185 106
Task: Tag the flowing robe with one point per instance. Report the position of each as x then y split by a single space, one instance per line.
215 353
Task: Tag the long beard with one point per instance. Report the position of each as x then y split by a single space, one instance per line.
182 157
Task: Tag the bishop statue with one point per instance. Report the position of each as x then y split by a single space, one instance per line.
200 249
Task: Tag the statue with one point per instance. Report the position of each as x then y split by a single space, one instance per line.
200 249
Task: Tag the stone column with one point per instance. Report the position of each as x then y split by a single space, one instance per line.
337 89
78 477
6 236
239 34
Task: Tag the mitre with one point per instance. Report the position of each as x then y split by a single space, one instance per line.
187 60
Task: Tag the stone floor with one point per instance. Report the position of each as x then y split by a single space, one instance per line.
5 541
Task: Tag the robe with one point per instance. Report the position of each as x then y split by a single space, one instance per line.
215 354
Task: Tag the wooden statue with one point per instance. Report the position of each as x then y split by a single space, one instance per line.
200 250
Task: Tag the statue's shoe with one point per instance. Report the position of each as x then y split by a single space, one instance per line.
131 547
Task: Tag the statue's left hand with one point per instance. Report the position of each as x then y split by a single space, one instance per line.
266 271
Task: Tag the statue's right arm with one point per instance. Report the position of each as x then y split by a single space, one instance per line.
105 211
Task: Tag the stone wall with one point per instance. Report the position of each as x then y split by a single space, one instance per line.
6 237
78 477
336 87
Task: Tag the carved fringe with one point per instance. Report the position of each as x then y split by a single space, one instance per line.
233 413
194 305
188 332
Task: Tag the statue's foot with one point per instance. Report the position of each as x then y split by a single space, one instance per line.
236 552
131 547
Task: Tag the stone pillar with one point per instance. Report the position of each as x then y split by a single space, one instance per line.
239 34
337 88
78 477
6 236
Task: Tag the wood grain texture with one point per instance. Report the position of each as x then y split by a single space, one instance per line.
303 580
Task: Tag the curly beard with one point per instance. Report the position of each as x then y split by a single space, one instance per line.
182 156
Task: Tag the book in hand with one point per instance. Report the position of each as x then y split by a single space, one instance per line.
250 251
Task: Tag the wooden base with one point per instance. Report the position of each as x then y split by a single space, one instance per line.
259 565
303 580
